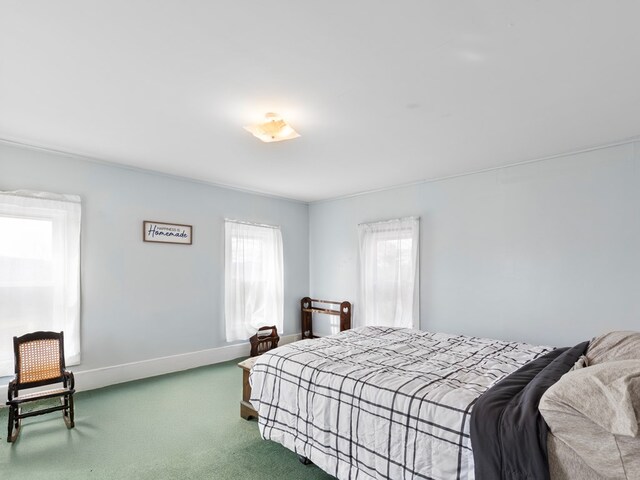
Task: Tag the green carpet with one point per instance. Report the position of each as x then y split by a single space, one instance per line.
180 426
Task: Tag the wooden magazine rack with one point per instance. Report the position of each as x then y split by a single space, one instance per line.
308 308
265 339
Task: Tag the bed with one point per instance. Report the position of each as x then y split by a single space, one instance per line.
403 404
377 402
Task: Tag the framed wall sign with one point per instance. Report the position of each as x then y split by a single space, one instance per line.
166 232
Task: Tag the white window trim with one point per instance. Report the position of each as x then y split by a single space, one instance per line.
407 315
248 305
64 211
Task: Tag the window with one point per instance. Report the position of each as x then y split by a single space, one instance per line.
253 279
389 273
39 270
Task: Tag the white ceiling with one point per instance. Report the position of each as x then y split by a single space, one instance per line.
383 93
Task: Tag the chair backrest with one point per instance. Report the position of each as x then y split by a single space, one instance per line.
39 358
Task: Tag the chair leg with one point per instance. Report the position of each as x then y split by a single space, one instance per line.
10 426
67 413
14 424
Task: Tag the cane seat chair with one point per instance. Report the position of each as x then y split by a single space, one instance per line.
39 361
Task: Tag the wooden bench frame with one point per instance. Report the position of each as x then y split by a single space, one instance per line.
246 409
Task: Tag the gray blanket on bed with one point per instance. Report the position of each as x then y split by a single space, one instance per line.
508 434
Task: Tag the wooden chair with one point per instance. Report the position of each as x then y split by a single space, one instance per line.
264 340
39 360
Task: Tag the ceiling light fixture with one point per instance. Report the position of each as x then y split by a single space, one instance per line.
273 129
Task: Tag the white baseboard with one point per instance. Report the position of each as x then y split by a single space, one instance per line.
126 372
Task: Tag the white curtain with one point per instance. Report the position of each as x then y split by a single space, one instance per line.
389 288
253 294
39 270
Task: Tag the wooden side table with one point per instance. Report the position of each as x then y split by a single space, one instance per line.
246 409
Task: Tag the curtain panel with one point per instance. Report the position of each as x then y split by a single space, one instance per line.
254 294
389 273
39 270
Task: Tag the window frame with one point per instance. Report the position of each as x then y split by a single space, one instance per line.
254 294
64 212
400 298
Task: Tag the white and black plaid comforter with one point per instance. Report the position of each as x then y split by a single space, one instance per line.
374 402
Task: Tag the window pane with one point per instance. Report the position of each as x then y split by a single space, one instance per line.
39 270
388 256
253 279
25 238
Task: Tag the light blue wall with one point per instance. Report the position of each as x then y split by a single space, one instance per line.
143 301
545 252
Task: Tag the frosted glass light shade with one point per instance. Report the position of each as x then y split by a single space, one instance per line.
273 129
